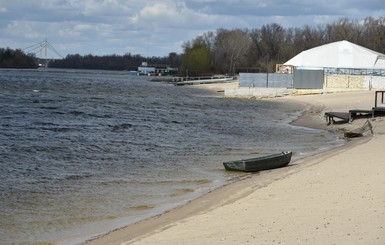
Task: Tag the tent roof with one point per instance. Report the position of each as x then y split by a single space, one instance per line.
342 54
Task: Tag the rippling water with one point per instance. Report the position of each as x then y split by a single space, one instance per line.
85 152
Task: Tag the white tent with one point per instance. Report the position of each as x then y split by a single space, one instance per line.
342 54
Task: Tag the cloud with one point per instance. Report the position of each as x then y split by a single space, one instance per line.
24 29
157 27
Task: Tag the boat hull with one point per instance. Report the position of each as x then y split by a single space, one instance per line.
260 163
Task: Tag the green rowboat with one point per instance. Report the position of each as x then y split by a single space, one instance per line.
260 163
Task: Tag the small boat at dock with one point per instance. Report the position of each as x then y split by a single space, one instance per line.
260 163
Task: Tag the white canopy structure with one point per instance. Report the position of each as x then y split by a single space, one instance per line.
342 54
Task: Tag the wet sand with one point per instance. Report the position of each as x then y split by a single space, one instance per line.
336 197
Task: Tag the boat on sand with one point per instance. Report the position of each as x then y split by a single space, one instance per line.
260 163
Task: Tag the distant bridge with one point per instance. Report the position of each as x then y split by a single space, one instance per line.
40 50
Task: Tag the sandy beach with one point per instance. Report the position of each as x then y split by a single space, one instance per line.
336 197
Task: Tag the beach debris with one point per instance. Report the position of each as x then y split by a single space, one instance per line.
359 131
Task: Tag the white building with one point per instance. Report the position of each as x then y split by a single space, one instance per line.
346 66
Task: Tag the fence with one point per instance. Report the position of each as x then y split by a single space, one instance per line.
312 79
266 80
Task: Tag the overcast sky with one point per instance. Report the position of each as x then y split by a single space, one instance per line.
157 27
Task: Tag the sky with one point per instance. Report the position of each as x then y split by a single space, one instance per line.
156 27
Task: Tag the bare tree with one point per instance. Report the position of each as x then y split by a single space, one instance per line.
268 41
309 37
207 39
374 34
263 48
231 49
341 30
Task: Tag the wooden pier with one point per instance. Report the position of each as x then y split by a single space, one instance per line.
379 106
347 116
180 81
342 116
378 109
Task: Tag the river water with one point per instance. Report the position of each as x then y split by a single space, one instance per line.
84 152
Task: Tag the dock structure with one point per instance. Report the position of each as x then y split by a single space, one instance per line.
378 109
358 113
179 81
347 116
379 106
330 117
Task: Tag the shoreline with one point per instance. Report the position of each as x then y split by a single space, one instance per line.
224 195
233 193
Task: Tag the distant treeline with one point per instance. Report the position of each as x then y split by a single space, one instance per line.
10 58
113 62
230 51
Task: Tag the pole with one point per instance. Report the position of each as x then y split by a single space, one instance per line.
45 46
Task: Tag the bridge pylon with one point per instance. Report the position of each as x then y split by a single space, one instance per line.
40 50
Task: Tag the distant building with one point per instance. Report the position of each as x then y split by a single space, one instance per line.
156 70
338 66
334 67
144 70
339 55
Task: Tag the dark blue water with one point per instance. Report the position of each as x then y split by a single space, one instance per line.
85 152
